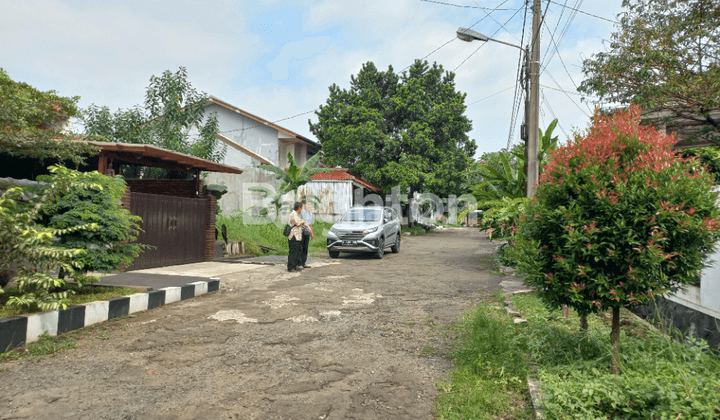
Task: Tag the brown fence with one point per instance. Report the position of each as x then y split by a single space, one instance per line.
174 226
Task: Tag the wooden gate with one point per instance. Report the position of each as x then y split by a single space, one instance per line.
175 226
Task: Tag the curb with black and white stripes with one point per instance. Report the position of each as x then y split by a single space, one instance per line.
28 328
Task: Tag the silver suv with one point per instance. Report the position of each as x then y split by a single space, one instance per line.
365 229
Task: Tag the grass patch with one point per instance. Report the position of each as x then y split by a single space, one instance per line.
490 377
268 235
48 345
36 351
660 376
82 295
416 230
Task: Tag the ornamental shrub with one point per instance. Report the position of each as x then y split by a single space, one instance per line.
27 247
113 243
617 219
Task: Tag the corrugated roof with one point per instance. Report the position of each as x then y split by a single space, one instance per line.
342 174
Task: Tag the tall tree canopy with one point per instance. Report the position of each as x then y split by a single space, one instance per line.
406 130
664 56
172 117
32 122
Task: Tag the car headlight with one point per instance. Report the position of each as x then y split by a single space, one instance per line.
370 230
334 230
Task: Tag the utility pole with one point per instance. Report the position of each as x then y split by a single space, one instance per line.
533 116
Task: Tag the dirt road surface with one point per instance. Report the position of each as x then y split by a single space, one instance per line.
352 338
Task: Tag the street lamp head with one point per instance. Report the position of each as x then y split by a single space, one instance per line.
468 35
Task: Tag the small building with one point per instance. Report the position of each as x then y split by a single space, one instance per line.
338 191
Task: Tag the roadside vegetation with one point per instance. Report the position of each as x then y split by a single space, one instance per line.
78 295
490 377
49 346
662 376
268 235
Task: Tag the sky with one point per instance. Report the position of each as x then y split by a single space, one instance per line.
276 59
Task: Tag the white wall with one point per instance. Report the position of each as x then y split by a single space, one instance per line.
246 132
335 198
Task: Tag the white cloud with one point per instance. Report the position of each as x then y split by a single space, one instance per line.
303 49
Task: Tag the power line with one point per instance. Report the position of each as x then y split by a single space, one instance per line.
455 37
490 96
517 98
462 5
494 33
585 13
272 122
547 103
552 34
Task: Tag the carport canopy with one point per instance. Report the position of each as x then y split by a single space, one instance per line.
153 156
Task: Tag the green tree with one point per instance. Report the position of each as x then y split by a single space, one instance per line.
664 56
32 122
30 247
406 130
172 117
618 218
107 247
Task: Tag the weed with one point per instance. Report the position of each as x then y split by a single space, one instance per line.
428 351
269 235
36 351
489 380
660 378
498 273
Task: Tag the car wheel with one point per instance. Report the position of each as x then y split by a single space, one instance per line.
396 248
381 249
334 254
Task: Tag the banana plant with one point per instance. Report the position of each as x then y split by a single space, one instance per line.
509 180
292 178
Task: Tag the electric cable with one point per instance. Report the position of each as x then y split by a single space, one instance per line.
585 13
462 5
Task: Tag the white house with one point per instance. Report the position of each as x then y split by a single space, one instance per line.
252 141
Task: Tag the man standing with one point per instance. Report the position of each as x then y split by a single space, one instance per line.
309 219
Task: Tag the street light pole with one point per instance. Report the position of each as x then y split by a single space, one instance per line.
532 96
533 147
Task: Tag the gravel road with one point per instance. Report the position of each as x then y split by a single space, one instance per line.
351 338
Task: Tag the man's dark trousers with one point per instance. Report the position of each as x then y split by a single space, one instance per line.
305 248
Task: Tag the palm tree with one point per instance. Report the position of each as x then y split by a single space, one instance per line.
292 178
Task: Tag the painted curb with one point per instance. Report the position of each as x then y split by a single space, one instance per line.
17 330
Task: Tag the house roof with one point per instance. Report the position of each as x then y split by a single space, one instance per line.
688 129
242 149
148 155
214 100
342 174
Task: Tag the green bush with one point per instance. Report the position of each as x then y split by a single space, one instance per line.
31 247
107 247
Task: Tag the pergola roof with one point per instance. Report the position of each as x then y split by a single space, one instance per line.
153 156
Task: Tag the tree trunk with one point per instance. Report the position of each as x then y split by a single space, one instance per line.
615 342
583 323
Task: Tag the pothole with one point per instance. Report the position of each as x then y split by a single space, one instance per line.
281 301
232 315
302 318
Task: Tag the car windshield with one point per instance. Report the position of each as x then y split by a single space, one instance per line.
362 215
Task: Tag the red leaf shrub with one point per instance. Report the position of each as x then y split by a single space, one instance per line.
618 218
